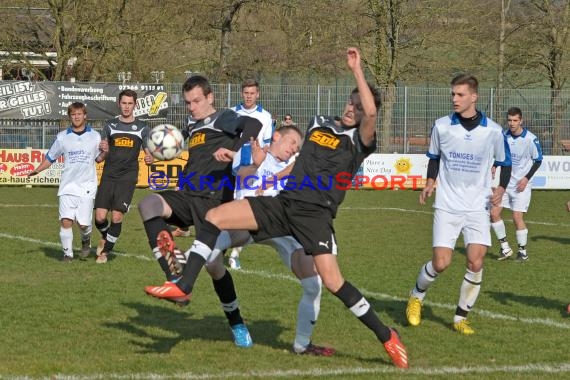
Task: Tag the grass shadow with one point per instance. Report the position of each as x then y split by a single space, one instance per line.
52 253
180 325
397 312
556 239
507 298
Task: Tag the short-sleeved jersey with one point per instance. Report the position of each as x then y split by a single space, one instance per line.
203 175
330 156
264 117
466 158
264 176
79 151
125 143
525 150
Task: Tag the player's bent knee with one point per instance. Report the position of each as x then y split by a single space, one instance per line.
216 268
302 265
151 207
213 216
312 286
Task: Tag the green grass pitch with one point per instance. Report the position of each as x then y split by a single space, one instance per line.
88 321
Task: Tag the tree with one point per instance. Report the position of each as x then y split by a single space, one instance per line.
551 49
394 46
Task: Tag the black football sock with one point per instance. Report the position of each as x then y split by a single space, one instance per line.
353 299
227 294
102 228
191 270
113 234
153 227
208 234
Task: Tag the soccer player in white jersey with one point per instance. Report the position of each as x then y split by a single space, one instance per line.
526 155
80 146
463 148
249 107
264 180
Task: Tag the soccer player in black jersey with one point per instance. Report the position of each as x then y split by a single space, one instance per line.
206 182
122 139
330 154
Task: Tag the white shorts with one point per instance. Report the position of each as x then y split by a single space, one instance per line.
76 208
516 201
285 247
475 226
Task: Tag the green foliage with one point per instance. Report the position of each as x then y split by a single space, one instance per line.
85 321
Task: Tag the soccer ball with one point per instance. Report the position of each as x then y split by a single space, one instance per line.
165 142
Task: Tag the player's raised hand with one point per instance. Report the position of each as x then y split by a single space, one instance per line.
258 154
353 58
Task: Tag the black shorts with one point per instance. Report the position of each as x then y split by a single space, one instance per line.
310 224
115 195
188 209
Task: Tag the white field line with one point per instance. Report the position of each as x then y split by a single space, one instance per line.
321 372
348 208
431 213
286 277
37 205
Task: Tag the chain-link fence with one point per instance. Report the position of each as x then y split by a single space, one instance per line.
412 115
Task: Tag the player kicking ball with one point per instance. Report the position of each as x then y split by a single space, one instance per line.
307 213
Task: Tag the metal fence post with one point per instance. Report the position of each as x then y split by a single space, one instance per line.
405 119
491 105
318 99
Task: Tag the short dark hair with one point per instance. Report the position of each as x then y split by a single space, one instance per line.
287 115
467 79
376 93
197 81
75 107
250 83
128 92
514 111
284 129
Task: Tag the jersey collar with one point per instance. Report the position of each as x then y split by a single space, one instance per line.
240 106
455 119
523 134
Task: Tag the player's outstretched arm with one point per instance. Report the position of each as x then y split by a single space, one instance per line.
367 127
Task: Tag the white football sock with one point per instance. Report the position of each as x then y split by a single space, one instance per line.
426 277
66 236
470 288
522 236
499 229
308 311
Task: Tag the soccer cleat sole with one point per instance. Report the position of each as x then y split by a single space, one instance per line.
169 251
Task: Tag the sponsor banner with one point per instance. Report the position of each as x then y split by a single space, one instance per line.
378 171
392 172
16 164
554 173
49 100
